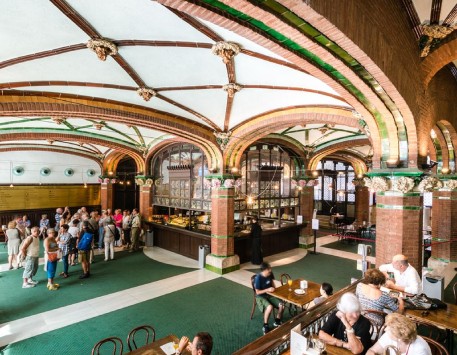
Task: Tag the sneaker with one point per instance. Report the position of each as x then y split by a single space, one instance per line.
32 282
277 323
56 285
84 276
27 285
52 288
265 329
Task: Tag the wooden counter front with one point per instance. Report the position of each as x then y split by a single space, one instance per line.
179 240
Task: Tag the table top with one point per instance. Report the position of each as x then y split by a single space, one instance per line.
154 348
283 293
446 318
330 350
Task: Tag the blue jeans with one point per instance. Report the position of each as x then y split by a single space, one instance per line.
51 269
101 231
65 263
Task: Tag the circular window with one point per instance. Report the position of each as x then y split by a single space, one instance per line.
91 172
18 170
45 171
69 172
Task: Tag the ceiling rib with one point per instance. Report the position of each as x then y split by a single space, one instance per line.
228 111
450 18
435 12
272 60
25 84
413 17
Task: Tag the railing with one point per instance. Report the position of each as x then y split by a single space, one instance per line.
278 340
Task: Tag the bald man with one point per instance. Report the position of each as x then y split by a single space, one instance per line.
406 278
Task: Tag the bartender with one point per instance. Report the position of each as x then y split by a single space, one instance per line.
256 235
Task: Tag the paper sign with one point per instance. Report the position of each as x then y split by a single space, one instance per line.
299 219
315 224
298 343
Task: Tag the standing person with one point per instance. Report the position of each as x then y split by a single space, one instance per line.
44 225
256 235
126 229
51 247
263 283
63 240
31 252
201 345
101 229
74 232
118 222
65 219
14 240
57 218
84 247
406 279
135 231
110 230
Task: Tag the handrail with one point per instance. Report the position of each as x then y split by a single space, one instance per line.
277 340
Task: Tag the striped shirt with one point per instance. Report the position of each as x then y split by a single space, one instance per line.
64 243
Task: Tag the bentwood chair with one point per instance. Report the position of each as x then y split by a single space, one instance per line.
430 331
148 331
435 347
284 278
116 343
292 308
377 320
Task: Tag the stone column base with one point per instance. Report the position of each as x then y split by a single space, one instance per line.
306 241
222 264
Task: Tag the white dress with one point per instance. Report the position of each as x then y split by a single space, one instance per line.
417 347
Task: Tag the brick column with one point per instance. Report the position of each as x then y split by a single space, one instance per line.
399 227
222 258
145 201
106 195
306 210
444 225
362 204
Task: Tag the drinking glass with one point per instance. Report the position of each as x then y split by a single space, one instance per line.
319 345
289 282
175 346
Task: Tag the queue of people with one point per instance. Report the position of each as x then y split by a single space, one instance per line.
72 240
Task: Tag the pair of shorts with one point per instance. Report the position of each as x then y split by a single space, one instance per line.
264 302
83 256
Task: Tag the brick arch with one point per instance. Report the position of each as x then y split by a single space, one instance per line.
443 145
113 158
158 147
14 103
262 125
24 136
356 161
390 146
452 133
287 142
46 148
438 58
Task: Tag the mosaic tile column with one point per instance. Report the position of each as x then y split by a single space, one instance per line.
145 201
444 225
362 204
306 210
106 195
399 227
222 258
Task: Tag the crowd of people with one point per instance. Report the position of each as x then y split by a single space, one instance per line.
72 238
349 326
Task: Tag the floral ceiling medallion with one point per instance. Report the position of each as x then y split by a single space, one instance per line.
223 138
58 120
232 88
226 50
102 47
434 33
99 125
146 93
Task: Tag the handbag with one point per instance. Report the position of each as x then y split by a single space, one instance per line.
54 255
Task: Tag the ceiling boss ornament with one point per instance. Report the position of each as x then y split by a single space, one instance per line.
226 50
223 138
102 47
434 32
146 93
232 88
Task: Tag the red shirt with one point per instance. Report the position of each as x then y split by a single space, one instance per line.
118 220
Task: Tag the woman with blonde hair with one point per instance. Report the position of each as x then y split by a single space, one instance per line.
14 240
401 333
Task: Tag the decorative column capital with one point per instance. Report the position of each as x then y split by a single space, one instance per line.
223 181
144 180
102 47
222 138
226 50
433 35
107 179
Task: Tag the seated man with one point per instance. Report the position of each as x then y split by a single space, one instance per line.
263 283
406 278
347 328
201 345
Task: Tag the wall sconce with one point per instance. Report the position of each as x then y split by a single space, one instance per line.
392 163
314 173
445 171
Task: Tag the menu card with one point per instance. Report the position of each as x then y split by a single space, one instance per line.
168 349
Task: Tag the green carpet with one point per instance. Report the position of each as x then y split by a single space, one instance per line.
4 253
220 307
349 246
126 271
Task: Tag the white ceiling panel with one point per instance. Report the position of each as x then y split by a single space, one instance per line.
27 29
136 19
82 65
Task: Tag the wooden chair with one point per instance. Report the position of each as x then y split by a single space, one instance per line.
148 331
437 348
117 344
376 327
454 289
430 331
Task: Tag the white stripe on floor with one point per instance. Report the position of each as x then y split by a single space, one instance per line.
37 324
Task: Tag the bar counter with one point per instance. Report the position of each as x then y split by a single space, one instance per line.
186 242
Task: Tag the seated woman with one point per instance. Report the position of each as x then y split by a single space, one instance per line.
325 290
400 333
371 297
347 328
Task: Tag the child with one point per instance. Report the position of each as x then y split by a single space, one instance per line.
44 225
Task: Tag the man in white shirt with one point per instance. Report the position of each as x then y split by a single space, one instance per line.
406 278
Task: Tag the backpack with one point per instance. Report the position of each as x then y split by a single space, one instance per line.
86 241
116 233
